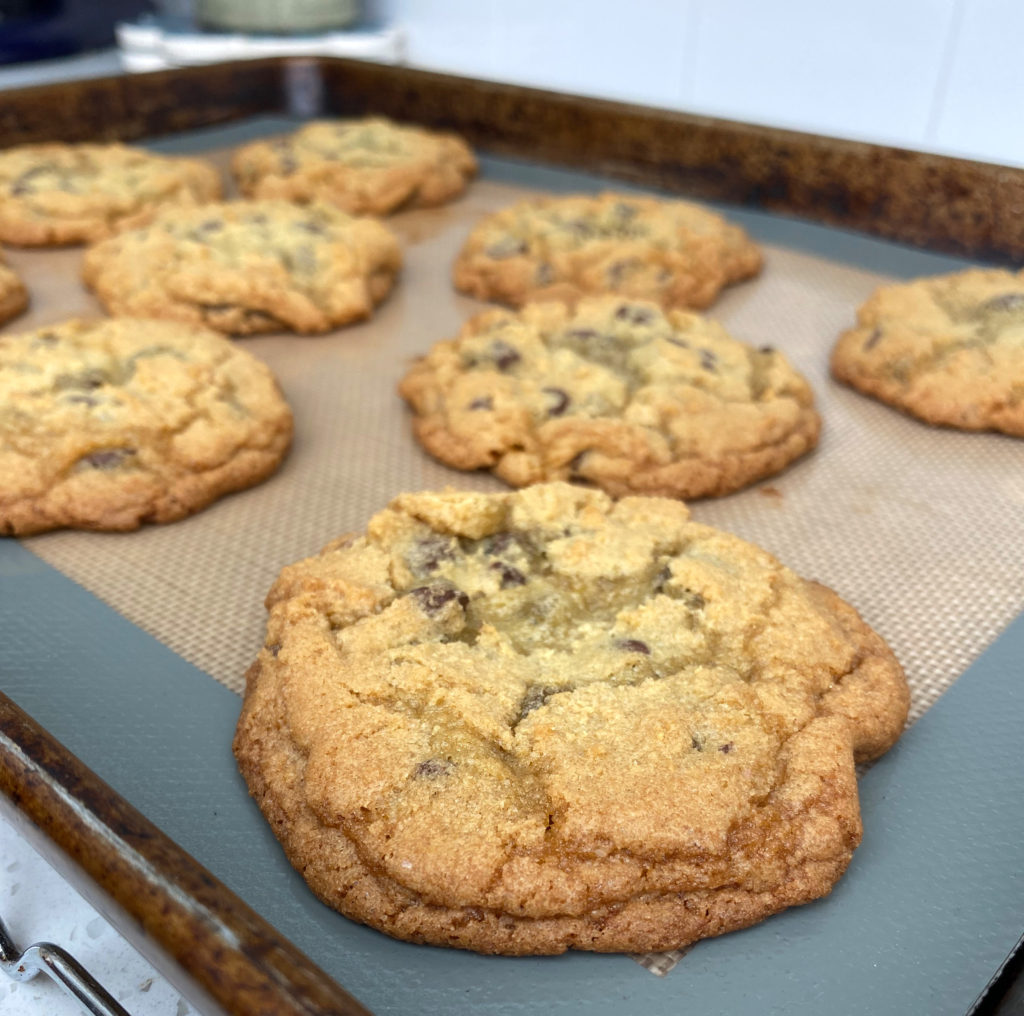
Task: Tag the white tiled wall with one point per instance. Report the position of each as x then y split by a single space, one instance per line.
937 75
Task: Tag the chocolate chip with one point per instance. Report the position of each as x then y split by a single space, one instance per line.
482 402
506 247
107 458
693 600
535 697
708 361
558 400
432 599
633 646
634 315
681 343
509 576
433 769
84 380
544 275
767 350
662 578
504 355
274 649
872 340
1006 301
697 742
499 543
725 748
427 554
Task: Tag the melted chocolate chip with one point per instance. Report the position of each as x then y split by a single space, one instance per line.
483 402
581 334
872 340
504 355
499 543
432 599
107 458
634 315
558 400
509 576
535 697
84 380
433 769
633 646
427 554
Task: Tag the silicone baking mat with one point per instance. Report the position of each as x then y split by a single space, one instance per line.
919 528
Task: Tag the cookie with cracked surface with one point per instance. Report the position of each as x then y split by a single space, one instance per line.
57 194
368 166
109 424
948 349
677 253
246 267
615 392
13 294
543 720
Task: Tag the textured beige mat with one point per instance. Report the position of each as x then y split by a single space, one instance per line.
921 529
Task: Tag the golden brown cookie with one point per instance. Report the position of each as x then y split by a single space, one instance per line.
112 423
676 253
248 266
948 350
542 720
54 194
13 294
615 392
366 166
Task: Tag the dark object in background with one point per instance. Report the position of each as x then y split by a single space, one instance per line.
44 29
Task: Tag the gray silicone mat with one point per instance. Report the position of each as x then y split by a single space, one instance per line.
934 899
929 909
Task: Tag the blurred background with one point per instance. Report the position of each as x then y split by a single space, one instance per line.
933 75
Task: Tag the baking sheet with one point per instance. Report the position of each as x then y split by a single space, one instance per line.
919 528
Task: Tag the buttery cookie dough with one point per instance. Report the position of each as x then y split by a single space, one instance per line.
615 392
248 266
57 194
677 253
948 349
109 424
542 720
365 166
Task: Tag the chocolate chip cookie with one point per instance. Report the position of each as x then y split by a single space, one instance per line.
615 392
112 423
248 266
366 166
674 252
542 720
948 350
13 294
54 194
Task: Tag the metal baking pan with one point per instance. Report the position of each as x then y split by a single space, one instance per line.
115 750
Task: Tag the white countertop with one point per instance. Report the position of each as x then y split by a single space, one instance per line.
38 905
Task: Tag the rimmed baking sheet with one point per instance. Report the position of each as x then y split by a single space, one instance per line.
919 528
